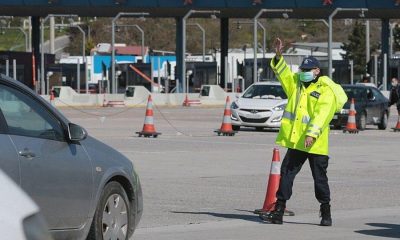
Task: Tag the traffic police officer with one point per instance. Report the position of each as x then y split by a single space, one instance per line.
304 130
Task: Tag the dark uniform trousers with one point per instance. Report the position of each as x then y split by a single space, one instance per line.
291 165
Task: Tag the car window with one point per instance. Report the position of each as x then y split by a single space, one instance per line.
370 94
356 93
378 95
265 92
27 117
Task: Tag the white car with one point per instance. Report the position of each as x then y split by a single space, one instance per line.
19 216
260 106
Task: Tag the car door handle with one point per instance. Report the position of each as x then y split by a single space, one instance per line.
26 153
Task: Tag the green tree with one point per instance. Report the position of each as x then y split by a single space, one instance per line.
355 48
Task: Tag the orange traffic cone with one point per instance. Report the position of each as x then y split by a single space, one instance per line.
273 184
186 102
397 128
226 127
148 127
351 126
272 187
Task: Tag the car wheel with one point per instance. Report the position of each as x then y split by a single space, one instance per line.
259 128
362 121
384 120
111 219
235 127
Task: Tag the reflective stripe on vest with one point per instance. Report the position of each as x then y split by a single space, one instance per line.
289 115
315 130
306 119
292 117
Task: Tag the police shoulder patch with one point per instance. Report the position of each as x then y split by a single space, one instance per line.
315 94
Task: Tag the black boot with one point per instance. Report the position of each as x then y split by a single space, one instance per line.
325 212
276 215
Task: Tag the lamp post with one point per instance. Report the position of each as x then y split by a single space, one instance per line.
142 33
25 35
121 14
264 33
203 37
83 56
42 75
330 33
187 15
74 24
367 43
255 24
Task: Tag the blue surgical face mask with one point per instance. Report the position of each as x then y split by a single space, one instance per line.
306 76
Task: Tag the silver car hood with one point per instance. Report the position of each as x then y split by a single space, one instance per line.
256 103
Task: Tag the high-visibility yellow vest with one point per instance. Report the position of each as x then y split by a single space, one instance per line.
308 111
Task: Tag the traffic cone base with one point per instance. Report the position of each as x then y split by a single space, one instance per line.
148 127
226 126
225 133
262 211
351 126
186 102
397 128
148 134
349 130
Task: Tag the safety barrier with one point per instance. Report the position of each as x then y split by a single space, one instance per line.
135 95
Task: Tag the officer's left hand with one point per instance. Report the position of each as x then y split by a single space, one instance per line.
308 141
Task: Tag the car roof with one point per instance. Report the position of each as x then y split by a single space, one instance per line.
356 86
268 83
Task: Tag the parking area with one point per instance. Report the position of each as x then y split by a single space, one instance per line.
198 185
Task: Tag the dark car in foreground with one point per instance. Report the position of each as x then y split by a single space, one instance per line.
84 188
372 108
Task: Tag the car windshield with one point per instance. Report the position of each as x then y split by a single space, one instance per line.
355 92
265 92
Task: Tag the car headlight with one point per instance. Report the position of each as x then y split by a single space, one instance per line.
35 228
234 105
277 119
280 107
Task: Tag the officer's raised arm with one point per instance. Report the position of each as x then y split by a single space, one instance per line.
278 45
282 70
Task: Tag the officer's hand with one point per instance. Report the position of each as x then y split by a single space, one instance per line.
278 45
308 141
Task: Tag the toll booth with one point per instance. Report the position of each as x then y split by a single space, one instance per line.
24 65
394 68
66 75
133 74
202 73
375 69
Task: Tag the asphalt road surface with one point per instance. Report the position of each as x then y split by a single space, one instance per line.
198 185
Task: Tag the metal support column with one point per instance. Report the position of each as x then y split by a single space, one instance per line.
180 71
376 69
52 35
224 49
385 38
35 22
367 42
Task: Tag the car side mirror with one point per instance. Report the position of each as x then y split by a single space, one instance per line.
76 133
